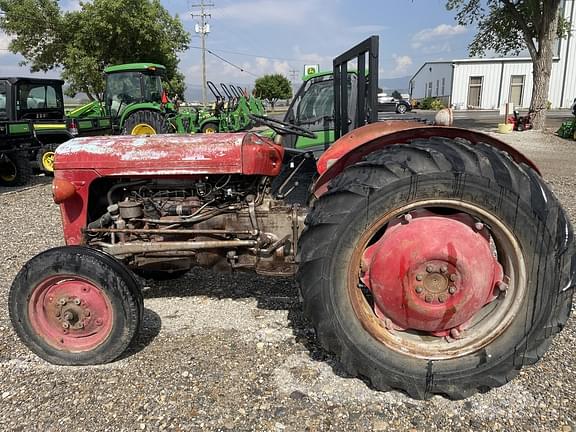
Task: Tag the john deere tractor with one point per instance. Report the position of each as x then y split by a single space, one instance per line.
136 101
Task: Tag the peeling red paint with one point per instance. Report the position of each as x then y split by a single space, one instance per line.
239 153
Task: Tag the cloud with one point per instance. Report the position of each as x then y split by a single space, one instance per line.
439 33
401 64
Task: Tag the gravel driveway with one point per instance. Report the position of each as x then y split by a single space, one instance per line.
232 352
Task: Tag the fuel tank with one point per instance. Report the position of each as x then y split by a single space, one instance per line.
219 153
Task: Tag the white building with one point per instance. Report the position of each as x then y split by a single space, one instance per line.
488 83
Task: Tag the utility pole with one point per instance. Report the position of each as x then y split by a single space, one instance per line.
203 28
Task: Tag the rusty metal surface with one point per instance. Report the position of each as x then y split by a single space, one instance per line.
352 147
144 247
483 328
444 271
173 154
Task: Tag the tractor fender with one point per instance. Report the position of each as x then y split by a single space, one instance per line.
355 145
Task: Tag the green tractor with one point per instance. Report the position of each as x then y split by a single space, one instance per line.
41 102
136 101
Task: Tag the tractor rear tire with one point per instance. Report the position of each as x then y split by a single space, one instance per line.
210 128
532 239
15 169
145 122
76 306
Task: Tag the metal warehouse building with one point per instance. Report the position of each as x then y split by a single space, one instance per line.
488 83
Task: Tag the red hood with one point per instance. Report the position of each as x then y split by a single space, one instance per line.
223 153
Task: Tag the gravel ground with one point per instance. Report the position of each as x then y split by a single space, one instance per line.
232 352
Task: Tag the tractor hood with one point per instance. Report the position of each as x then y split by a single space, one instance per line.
223 153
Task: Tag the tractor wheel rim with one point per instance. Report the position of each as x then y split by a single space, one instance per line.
486 323
70 313
143 129
209 130
48 161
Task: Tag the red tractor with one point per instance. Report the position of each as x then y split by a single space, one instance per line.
430 259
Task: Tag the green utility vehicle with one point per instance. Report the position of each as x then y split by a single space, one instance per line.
137 103
17 142
41 102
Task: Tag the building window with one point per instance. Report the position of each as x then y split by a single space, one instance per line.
429 93
475 92
516 90
437 87
443 86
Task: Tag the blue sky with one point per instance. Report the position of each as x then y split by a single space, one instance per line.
265 36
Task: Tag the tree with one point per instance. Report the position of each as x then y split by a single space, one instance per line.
396 94
510 26
85 41
272 88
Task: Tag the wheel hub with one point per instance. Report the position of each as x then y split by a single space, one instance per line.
431 272
70 313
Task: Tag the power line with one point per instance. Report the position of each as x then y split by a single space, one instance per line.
227 61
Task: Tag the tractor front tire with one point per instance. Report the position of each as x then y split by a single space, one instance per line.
15 169
75 306
145 122
386 209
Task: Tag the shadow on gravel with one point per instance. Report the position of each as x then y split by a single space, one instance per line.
38 180
270 294
151 326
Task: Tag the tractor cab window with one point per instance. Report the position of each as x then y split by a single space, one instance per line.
39 101
123 89
152 88
3 112
315 105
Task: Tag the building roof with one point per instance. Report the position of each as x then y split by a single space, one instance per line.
481 60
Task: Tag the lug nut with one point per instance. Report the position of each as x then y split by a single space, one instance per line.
57 314
452 289
419 289
62 301
408 217
65 325
80 325
429 298
429 268
479 226
419 277
87 313
444 269
442 298
453 277
77 301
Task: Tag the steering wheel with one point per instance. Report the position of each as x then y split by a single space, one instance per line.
281 127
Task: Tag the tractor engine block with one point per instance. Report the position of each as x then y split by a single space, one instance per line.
214 221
